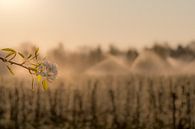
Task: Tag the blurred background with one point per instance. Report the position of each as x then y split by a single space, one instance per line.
95 30
122 64
75 23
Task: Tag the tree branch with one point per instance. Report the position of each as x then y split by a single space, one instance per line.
17 64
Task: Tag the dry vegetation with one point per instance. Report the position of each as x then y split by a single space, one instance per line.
120 102
153 89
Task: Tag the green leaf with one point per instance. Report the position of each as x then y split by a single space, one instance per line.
10 70
45 85
8 55
37 65
34 65
29 56
36 53
21 54
39 78
9 50
13 56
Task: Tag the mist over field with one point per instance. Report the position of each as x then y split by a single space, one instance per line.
158 59
97 64
112 89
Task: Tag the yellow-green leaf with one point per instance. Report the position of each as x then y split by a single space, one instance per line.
36 53
39 78
21 54
45 85
13 56
10 70
8 55
8 50
29 56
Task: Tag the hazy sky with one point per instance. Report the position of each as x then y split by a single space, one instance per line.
91 22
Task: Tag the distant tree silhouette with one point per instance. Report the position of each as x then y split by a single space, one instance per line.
163 50
184 53
96 54
131 54
113 50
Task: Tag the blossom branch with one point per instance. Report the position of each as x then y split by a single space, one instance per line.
15 63
39 68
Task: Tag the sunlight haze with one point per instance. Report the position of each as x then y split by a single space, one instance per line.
134 23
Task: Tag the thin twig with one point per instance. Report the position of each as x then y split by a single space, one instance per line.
15 63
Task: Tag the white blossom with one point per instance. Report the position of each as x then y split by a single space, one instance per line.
47 70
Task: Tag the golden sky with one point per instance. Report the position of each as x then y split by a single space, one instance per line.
90 22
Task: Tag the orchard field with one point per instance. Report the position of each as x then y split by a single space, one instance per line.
110 102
